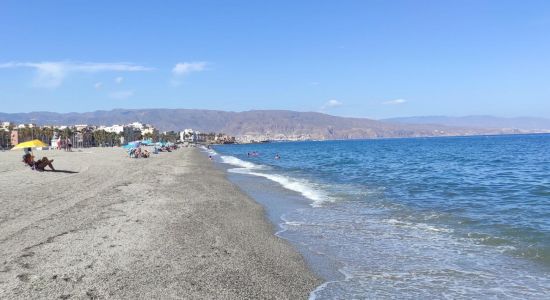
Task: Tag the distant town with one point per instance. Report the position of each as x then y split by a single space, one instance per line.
83 135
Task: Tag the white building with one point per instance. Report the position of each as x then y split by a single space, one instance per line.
136 125
80 127
6 126
114 128
148 130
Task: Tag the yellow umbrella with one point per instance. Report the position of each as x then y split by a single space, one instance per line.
30 144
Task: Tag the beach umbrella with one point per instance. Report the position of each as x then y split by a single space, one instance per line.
30 144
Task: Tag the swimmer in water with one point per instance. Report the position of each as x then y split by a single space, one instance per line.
277 156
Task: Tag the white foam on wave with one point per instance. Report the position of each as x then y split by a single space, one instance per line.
421 226
209 151
294 223
240 163
300 186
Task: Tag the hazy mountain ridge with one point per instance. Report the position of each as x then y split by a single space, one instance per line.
274 124
480 121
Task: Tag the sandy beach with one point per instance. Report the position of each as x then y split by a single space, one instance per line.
107 226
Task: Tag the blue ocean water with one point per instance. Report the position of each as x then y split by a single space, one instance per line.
455 217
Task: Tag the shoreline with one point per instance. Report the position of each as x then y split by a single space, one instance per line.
170 226
376 237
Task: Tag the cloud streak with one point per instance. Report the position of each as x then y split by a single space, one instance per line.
185 68
52 74
394 102
331 104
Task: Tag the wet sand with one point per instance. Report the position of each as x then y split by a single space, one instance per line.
107 226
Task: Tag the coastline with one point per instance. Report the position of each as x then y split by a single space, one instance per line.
170 226
388 242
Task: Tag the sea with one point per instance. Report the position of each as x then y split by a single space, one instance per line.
411 218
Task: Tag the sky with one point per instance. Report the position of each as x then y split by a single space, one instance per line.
369 58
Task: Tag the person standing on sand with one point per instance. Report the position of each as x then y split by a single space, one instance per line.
67 144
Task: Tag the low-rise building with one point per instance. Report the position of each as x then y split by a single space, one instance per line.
149 130
136 125
81 127
189 135
114 128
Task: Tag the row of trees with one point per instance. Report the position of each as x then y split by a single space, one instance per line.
44 134
102 138
170 136
5 138
86 138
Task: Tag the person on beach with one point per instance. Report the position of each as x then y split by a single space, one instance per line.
28 159
40 164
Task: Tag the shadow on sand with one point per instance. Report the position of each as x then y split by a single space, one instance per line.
61 171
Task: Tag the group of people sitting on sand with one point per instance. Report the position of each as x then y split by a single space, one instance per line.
139 153
166 148
39 165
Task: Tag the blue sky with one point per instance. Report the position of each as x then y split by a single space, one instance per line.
365 58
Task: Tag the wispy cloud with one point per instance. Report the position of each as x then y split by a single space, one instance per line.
119 79
314 83
98 85
119 95
394 102
331 103
185 68
52 74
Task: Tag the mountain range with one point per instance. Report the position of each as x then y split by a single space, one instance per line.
276 124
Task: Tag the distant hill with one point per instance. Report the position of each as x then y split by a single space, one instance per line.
521 123
260 124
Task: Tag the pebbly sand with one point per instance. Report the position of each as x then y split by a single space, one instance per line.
171 226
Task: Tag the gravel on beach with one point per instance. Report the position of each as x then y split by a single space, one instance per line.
110 227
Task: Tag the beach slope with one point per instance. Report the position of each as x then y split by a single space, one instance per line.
171 226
